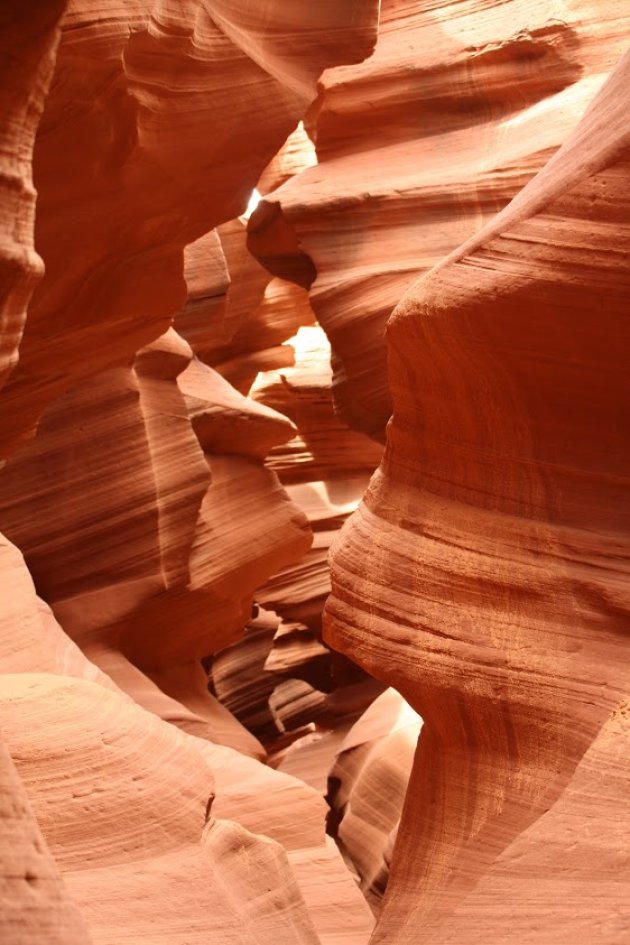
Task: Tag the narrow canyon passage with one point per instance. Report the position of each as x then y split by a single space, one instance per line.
314 472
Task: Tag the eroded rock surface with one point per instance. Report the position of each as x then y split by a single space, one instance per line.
192 101
190 410
486 575
419 146
135 484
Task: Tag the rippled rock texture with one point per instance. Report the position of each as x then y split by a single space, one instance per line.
418 147
487 573
159 120
191 408
139 515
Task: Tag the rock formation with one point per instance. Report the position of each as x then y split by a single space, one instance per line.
367 785
208 211
487 573
135 484
418 146
27 57
123 187
35 905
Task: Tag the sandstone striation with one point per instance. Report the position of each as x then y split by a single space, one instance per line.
135 484
367 785
418 146
208 212
29 34
35 904
134 818
486 575
170 575
123 187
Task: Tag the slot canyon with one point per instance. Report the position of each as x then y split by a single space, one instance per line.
314 472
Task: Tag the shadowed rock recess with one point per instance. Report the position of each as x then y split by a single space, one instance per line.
314 472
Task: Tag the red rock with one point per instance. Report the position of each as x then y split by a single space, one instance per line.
29 33
125 186
141 502
128 829
367 786
296 154
226 422
35 904
170 742
325 448
258 344
170 574
486 575
203 320
418 147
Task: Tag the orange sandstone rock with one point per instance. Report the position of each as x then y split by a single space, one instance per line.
130 541
35 904
418 146
159 121
29 33
487 573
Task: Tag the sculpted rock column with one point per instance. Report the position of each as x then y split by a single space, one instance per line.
134 542
29 35
487 574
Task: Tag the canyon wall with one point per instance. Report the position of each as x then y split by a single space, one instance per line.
134 482
418 147
487 574
200 742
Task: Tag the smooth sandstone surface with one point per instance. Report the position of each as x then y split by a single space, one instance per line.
29 34
36 906
419 146
193 101
487 573
113 502
367 785
147 865
191 407
133 766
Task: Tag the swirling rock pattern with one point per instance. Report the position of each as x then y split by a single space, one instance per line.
160 386
367 783
128 829
35 904
144 511
487 573
116 468
419 146
91 760
123 187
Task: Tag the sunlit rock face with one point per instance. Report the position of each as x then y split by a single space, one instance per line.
159 120
487 572
135 498
418 147
135 536
132 809
366 788
208 211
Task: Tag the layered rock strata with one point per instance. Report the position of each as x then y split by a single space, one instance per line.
420 145
29 35
144 511
487 572
192 102
147 811
172 458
